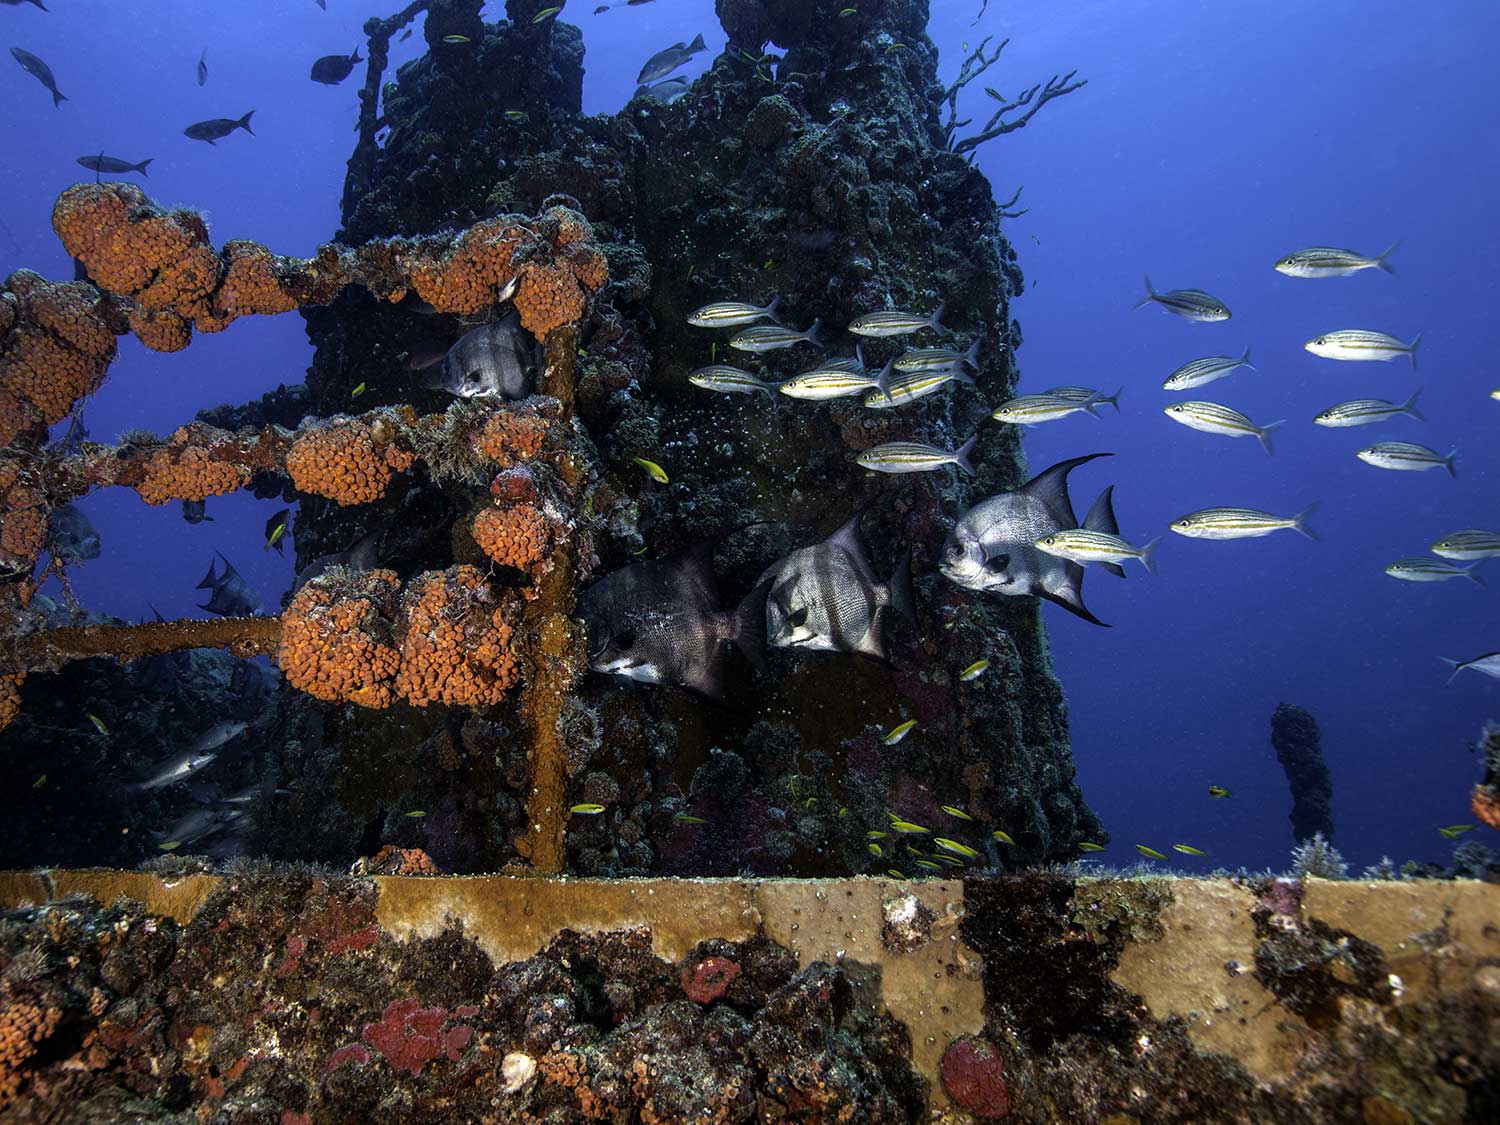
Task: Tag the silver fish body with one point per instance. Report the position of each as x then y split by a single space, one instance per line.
1214 418
1331 261
178 768
1488 664
938 359
497 360
827 597
915 457
1031 410
769 337
1190 304
824 383
895 322
733 314
1471 544
1200 372
1083 546
664 62
1087 394
71 536
1420 568
916 384
1367 411
992 547
1406 456
1362 344
1241 523
730 380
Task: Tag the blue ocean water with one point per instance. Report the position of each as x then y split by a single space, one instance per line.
1210 140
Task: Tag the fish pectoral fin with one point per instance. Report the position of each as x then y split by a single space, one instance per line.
872 644
1070 596
1114 568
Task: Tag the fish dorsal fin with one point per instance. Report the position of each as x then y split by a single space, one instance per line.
1050 486
210 580
229 575
872 644
848 538
1070 595
1101 517
697 564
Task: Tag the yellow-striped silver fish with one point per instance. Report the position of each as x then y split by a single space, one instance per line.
1212 418
1362 344
1241 523
1087 394
768 337
1364 411
1081 545
1495 394
1470 544
1408 456
915 457
1028 410
733 314
894 322
823 383
1197 372
729 380
1420 568
1190 304
917 384
930 359
1330 261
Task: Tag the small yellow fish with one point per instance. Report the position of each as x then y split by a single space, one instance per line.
874 835
1454 831
642 551
357 391
1152 852
843 811
516 114
809 803
1085 846
907 828
415 813
587 809
545 14
900 732
1001 835
685 818
653 470
276 533
1188 849
847 11
955 847
713 352
455 39
876 850
769 263
39 782
99 724
1218 791
170 845
949 860
894 874
974 671
692 269
928 864
895 47
954 810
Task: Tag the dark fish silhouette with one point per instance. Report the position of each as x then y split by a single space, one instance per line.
102 163
42 72
70 535
196 511
17 3
668 90
333 69
203 67
827 598
362 554
160 674
276 529
496 359
230 595
659 622
992 547
217 128
664 62
427 354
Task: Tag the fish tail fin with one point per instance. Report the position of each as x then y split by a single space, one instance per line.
1410 406
962 376
771 309
749 626
141 167
1090 405
1245 359
1411 350
1114 399
898 588
354 58
1470 575
1264 433
244 123
58 97
961 458
1150 293
814 334
971 357
883 381
1299 521
936 323
697 44
1148 553
1383 259
1456 665
1450 463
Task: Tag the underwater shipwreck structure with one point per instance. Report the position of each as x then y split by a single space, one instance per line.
751 940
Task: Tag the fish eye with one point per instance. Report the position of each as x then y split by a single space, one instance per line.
997 564
625 639
797 618
1320 341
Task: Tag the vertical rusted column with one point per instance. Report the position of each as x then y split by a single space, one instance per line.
555 640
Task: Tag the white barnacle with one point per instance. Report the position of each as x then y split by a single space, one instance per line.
516 1069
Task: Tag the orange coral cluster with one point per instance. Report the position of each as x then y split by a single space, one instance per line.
335 638
55 345
1486 804
186 468
10 696
517 536
343 462
23 1026
457 647
23 519
512 436
469 276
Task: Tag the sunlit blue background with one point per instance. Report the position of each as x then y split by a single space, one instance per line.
1210 140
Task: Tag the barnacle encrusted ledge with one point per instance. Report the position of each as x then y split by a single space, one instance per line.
1027 998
